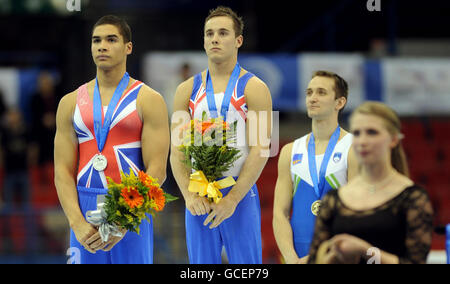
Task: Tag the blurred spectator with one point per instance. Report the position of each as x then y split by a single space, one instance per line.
184 73
43 128
14 140
43 113
2 106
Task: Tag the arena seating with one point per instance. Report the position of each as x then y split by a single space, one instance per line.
427 146
426 143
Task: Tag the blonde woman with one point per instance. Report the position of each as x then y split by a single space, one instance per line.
380 216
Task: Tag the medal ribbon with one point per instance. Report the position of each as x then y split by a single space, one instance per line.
101 129
227 96
319 181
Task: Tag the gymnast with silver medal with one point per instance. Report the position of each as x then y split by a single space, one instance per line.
101 127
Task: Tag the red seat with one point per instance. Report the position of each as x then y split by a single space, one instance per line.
439 192
436 181
266 182
422 156
444 208
445 152
440 130
44 193
413 129
269 246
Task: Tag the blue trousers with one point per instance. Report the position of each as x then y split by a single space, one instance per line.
133 248
240 234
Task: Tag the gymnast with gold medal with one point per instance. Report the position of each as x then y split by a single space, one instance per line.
311 166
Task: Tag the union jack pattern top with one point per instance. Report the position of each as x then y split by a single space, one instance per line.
237 110
123 144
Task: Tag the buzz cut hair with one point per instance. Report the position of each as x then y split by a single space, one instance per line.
222 11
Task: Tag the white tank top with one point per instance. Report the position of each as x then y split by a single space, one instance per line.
336 173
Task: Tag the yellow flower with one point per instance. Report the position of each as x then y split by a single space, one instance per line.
129 218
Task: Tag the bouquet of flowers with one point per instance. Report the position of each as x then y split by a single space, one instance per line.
127 204
207 150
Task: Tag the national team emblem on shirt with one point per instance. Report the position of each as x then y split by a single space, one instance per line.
337 157
297 159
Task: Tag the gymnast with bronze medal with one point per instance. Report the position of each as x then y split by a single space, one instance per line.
311 166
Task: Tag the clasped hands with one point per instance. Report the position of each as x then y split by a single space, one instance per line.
342 249
89 237
218 212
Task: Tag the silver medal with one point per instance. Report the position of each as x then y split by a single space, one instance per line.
100 162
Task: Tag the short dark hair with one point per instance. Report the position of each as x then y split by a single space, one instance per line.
221 11
121 24
340 85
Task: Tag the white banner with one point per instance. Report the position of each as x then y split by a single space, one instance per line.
410 86
9 86
417 86
163 71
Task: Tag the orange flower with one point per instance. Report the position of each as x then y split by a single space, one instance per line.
157 194
146 179
225 126
132 197
206 125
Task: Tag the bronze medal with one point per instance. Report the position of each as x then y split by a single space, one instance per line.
315 207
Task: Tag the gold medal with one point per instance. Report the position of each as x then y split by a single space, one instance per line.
315 207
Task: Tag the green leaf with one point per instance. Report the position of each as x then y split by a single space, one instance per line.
169 197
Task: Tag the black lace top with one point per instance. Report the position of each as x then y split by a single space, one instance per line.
402 226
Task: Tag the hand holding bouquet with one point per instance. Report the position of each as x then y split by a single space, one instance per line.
127 204
207 150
